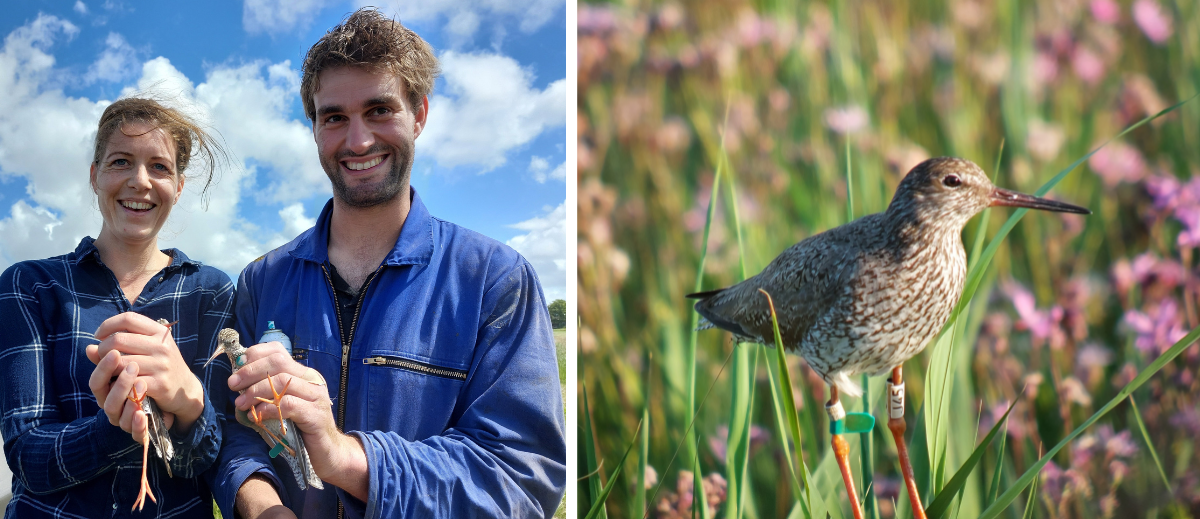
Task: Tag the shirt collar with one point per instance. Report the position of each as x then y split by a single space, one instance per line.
413 247
87 250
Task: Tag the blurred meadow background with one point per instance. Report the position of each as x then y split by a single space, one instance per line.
798 115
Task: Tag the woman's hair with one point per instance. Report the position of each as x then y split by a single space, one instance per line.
190 139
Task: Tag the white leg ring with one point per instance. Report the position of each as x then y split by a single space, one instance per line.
836 411
895 399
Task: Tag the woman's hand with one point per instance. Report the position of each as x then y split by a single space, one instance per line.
142 355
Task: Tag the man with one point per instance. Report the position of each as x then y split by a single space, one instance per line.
438 391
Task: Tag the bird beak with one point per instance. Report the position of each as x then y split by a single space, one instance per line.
215 354
1008 198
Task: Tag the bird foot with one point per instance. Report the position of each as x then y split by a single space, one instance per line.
278 398
145 488
279 442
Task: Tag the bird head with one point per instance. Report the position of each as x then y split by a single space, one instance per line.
949 191
229 344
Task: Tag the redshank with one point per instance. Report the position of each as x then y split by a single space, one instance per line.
867 296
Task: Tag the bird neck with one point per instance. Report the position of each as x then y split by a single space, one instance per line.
906 226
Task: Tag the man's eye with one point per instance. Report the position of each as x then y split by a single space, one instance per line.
380 110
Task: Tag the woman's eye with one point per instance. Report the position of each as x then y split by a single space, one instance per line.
120 162
952 181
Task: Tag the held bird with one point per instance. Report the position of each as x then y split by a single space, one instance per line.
867 296
280 433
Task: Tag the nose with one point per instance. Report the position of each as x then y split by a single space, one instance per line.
359 137
140 179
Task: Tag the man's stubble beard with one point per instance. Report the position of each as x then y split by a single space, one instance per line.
370 195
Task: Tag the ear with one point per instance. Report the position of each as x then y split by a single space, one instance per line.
179 189
420 117
92 178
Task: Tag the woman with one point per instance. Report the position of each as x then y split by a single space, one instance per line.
73 435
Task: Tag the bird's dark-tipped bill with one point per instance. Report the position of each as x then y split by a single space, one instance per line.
214 356
1014 199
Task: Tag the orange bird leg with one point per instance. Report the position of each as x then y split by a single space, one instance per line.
841 449
276 401
896 425
258 421
145 490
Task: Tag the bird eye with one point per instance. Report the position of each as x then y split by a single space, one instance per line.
952 181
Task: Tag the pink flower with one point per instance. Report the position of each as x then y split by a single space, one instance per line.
846 120
1158 332
1118 162
1190 217
1042 324
1106 11
1045 68
1152 20
1088 66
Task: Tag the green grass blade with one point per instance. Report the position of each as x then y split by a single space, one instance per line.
1137 414
994 487
597 509
699 498
1032 501
639 493
942 502
1009 495
592 467
793 423
742 383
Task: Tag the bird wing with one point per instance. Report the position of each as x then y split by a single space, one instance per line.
156 428
805 282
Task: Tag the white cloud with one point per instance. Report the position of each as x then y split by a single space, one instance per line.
545 246
278 16
80 7
530 15
489 108
540 167
294 220
118 61
46 138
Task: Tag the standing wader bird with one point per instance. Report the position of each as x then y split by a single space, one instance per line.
867 296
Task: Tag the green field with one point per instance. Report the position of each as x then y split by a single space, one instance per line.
798 116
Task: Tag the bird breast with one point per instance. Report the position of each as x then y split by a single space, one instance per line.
897 302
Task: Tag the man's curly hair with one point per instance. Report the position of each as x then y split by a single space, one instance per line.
368 39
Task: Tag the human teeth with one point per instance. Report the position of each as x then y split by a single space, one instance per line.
137 206
357 166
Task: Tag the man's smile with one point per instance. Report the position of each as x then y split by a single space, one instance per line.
360 166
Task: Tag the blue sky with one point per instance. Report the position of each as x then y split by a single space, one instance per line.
491 158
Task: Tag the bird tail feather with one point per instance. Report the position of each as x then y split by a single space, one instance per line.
844 384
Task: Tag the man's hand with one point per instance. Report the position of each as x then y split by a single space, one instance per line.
142 355
337 458
259 499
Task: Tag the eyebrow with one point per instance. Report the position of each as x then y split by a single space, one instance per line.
386 99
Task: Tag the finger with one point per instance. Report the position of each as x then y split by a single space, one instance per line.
129 415
93 353
129 344
139 425
102 376
295 386
270 360
128 322
121 387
